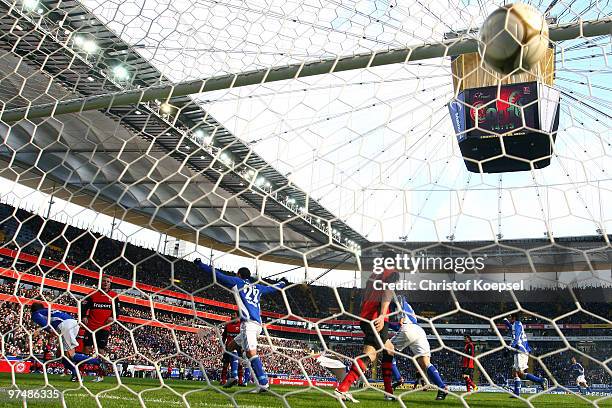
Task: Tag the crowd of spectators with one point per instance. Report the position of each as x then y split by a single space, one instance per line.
73 246
427 309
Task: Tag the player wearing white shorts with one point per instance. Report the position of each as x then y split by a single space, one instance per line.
68 329
247 295
411 335
520 347
579 372
247 338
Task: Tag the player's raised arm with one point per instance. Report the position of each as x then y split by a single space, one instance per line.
220 277
267 288
508 324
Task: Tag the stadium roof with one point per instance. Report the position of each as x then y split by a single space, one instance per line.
153 164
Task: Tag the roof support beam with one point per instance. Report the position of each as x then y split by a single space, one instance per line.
559 32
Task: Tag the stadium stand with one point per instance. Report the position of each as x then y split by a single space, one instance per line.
154 311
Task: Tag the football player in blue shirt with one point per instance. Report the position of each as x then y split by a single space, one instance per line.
521 349
247 295
578 371
68 329
411 335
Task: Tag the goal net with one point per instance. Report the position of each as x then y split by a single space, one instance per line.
150 150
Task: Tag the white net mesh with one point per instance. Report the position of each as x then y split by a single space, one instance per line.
104 206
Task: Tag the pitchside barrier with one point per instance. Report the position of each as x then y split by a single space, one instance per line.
23 366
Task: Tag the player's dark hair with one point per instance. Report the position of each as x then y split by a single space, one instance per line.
467 336
244 273
516 315
36 306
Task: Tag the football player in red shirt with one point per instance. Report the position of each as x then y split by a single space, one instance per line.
231 330
467 364
97 316
374 318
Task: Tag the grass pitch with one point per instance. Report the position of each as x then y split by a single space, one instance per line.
175 393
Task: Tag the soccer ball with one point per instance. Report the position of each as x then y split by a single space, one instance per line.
513 37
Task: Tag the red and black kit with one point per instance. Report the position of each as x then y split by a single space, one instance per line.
98 309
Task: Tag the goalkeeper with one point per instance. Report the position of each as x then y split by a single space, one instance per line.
247 295
68 328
